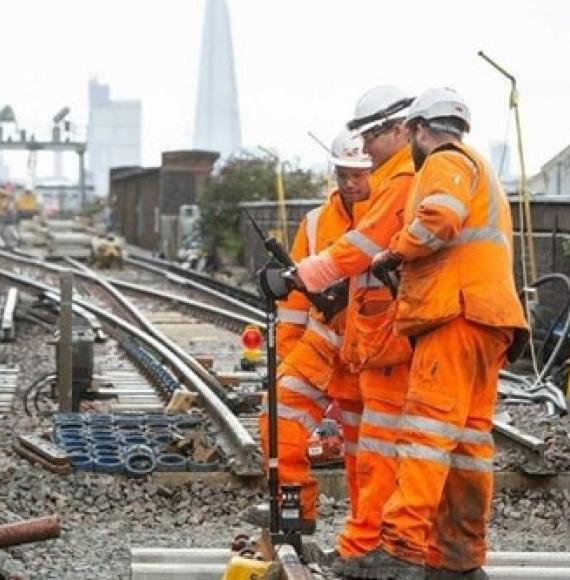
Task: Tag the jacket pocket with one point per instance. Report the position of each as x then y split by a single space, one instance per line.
427 387
378 346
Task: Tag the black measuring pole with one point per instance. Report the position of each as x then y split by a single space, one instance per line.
273 459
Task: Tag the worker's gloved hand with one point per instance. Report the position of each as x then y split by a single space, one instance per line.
383 267
292 279
276 282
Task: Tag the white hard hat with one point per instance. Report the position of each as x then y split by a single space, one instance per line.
378 105
346 151
435 104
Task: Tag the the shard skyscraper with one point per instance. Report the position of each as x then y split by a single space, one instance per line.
217 124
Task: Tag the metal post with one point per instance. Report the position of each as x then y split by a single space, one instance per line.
273 459
64 363
526 221
82 189
281 202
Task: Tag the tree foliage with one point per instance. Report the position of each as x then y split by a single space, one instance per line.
247 178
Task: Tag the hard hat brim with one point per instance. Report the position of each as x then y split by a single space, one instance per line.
350 164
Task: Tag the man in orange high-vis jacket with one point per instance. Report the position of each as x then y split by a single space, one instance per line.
370 345
311 374
457 297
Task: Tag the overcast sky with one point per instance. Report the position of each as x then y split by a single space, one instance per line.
300 64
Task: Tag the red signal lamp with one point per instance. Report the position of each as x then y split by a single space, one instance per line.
251 337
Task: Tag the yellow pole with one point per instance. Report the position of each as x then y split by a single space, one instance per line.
514 104
282 206
524 196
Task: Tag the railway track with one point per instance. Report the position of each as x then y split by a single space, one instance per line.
236 438
198 279
228 317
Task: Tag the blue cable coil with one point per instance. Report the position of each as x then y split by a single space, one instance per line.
108 464
140 460
172 462
132 443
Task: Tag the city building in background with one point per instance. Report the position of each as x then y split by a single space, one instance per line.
113 134
501 159
217 122
554 176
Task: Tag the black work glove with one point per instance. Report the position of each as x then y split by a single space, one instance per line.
383 267
276 282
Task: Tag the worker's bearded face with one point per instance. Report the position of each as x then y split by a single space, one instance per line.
419 153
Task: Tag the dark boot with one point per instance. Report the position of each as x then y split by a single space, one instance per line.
259 515
444 574
378 565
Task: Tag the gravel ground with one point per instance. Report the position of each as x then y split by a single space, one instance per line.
102 515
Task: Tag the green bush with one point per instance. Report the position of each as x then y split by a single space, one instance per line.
246 178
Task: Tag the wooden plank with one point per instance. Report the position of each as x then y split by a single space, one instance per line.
31 456
46 449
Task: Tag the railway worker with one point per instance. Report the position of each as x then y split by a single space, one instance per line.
370 346
310 374
457 298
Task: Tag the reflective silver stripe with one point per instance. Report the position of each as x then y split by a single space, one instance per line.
292 316
375 446
350 418
286 412
328 334
363 243
467 235
460 461
367 280
447 430
301 388
490 232
425 236
477 437
415 423
380 419
448 201
417 451
312 218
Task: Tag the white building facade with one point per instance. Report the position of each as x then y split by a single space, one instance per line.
554 176
113 135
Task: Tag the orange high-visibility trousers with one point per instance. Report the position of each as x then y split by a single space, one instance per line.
445 449
300 408
383 393
345 388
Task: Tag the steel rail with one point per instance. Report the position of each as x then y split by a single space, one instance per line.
84 272
246 455
258 316
199 281
196 367
192 304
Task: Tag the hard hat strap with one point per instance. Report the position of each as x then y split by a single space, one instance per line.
385 113
440 125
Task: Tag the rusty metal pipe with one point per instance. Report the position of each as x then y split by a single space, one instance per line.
26 531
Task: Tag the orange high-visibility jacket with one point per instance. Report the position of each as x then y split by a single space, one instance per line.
295 315
456 246
369 339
